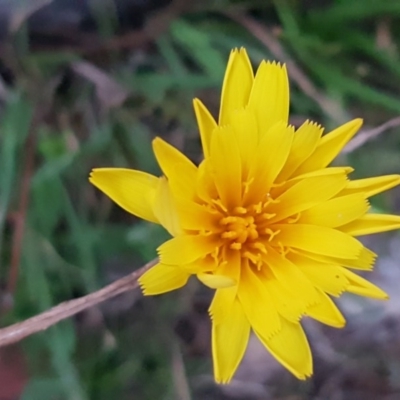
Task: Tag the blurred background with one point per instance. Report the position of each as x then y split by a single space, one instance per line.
89 83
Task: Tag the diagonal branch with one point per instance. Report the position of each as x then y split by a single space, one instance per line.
370 134
15 333
20 215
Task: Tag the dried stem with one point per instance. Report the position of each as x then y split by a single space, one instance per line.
20 216
370 134
45 320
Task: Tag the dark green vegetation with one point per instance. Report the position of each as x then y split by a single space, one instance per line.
67 107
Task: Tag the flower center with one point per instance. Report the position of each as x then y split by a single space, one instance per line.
246 229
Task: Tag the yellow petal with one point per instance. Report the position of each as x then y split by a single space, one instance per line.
179 170
229 342
225 160
206 124
337 211
325 311
162 278
290 276
237 84
185 249
224 298
290 347
202 265
269 159
257 303
364 261
194 216
164 208
288 304
305 141
319 240
245 129
330 146
221 304
205 185
362 287
132 190
168 156
305 194
280 188
372 186
231 265
327 277
323 172
269 97
214 281
372 223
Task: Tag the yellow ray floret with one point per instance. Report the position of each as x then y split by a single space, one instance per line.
134 191
264 220
237 85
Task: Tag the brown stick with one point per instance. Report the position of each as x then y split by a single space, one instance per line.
20 215
15 333
42 105
367 135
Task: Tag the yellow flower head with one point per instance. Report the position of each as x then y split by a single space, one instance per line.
263 219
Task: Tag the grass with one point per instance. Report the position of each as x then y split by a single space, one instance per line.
56 125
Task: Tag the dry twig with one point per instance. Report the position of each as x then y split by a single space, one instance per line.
367 135
109 91
45 320
20 216
24 12
40 110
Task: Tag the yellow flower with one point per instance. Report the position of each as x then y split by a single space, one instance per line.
263 219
